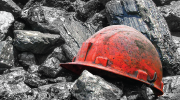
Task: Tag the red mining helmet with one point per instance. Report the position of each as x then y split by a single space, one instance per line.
121 50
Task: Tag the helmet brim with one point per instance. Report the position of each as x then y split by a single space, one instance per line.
78 67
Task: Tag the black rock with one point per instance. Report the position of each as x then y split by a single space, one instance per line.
7 54
6 20
176 40
56 21
171 88
33 69
36 42
56 80
10 6
144 16
163 2
91 87
68 75
88 9
58 91
59 54
13 75
172 15
27 59
12 82
137 91
60 4
18 25
12 89
21 3
50 67
97 21
33 80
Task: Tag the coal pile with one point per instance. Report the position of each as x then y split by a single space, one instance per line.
37 35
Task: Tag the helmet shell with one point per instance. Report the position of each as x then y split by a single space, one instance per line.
121 50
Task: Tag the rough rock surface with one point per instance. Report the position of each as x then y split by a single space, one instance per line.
172 15
27 59
60 4
59 54
36 42
11 82
143 16
163 2
91 87
171 88
176 40
33 69
6 20
34 80
18 25
50 67
7 54
10 6
58 91
56 21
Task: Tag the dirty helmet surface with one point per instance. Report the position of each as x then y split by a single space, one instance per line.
123 51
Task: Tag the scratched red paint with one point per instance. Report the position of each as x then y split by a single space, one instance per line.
121 50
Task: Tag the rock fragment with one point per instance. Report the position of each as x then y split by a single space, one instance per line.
34 80
50 67
27 59
6 20
12 82
59 54
10 6
91 87
33 69
172 15
88 9
36 42
162 2
171 88
54 21
58 91
7 54
18 25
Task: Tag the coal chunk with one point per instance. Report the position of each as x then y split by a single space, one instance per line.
50 67
91 87
58 91
88 9
12 82
60 4
6 20
144 16
18 25
54 21
27 59
33 69
36 42
33 80
10 6
13 75
7 54
171 88
59 54
57 80
162 2
172 15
